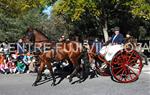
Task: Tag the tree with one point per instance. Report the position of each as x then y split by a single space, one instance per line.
13 28
140 8
105 11
20 7
87 15
74 9
55 27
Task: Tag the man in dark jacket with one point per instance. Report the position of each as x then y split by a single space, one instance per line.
117 38
114 44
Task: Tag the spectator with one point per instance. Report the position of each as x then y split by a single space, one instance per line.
20 47
5 50
6 67
2 64
32 65
27 60
20 67
11 66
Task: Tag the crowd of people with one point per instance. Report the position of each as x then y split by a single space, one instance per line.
16 63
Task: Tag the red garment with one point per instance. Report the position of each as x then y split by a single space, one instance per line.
11 65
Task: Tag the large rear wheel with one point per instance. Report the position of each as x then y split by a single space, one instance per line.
126 66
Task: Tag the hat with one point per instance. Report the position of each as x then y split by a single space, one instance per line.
116 28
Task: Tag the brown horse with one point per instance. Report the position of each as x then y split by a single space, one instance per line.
61 51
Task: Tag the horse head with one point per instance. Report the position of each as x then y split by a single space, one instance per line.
30 35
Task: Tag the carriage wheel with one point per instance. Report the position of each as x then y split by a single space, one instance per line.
126 66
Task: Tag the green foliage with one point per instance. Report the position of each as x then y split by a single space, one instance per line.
10 28
140 8
55 27
13 28
91 15
75 8
20 7
85 16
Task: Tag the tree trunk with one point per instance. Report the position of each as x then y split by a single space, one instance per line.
105 31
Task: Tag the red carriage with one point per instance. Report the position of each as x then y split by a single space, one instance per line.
123 64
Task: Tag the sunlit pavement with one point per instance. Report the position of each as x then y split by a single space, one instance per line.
21 84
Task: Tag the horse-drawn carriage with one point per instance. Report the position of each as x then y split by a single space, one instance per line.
124 64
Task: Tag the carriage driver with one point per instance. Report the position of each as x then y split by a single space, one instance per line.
114 44
117 37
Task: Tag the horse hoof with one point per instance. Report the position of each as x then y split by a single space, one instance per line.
34 84
70 79
45 78
53 84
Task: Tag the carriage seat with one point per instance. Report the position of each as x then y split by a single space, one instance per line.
109 51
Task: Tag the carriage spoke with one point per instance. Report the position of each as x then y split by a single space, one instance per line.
120 77
136 64
133 59
131 56
132 71
129 74
126 73
119 71
122 74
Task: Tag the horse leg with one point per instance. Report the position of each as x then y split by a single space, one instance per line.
39 75
75 71
52 73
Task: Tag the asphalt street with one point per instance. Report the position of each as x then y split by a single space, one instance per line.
21 84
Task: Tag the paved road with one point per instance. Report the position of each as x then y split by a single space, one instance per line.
20 84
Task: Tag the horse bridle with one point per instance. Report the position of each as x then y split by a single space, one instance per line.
30 36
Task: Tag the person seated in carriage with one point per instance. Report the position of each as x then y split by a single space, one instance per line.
117 37
111 47
132 42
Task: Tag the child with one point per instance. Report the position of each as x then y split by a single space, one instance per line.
3 65
20 67
11 66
